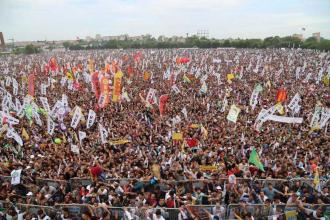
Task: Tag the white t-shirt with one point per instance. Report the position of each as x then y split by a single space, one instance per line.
154 217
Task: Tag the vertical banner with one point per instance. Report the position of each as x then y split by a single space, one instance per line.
103 134
162 104
95 84
31 85
117 87
233 113
50 126
76 118
105 92
91 118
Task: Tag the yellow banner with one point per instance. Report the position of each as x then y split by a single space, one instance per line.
119 142
117 87
208 168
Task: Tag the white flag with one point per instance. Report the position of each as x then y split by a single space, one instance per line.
294 103
91 118
175 89
43 89
325 115
15 87
82 136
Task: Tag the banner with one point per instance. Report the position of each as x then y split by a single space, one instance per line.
119 142
11 133
117 87
233 113
76 117
294 103
177 136
316 117
15 177
31 85
162 103
15 87
95 84
105 92
50 126
283 119
254 98
44 103
325 115
103 134
91 118
151 96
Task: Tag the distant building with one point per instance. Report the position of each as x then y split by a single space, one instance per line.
88 38
317 36
98 37
299 36
2 42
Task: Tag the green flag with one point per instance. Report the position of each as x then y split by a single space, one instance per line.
254 159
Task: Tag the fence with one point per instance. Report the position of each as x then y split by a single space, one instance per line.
258 211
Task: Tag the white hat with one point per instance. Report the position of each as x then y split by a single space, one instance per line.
219 187
29 194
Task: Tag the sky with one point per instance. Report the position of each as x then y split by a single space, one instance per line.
26 20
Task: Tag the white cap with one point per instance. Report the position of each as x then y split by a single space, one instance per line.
29 194
219 187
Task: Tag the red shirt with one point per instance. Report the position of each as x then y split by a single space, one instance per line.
96 170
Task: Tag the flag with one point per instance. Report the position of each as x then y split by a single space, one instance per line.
69 76
105 91
254 159
117 87
186 79
146 76
95 84
230 76
204 132
281 95
177 136
25 134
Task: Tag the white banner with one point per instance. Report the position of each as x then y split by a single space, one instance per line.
294 103
254 99
11 133
50 126
103 134
151 96
15 177
43 89
175 89
15 87
76 117
91 118
44 102
316 117
10 120
325 115
233 113
284 119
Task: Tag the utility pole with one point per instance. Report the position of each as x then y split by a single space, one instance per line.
12 41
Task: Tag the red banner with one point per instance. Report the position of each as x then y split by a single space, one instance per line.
31 84
162 103
53 64
95 83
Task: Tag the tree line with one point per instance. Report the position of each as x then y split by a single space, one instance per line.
194 41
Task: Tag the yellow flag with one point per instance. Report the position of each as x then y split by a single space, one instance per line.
69 76
25 135
326 80
178 136
316 181
146 76
230 76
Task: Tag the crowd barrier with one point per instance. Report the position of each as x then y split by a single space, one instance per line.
258 211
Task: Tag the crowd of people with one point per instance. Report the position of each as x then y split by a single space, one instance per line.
165 135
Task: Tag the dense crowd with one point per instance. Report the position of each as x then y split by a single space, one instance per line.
166 141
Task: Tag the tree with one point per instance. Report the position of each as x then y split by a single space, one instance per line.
31 49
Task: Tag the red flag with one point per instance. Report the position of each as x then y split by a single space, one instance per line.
162 103
53 64
105 90
31 84
192 142
281 95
